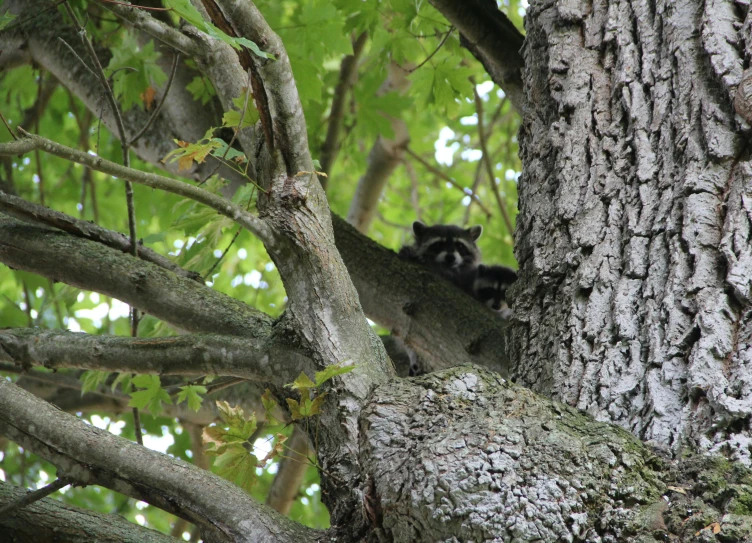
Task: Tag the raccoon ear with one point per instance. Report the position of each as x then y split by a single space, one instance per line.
419 229
475 232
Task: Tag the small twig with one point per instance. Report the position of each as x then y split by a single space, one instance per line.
222 256
137 426
7 126
147 8
27 300
110 95
34 496
235 132
156 111
429 57
487 161
76 55
448 179
250 222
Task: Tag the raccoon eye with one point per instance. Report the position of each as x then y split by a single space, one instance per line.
461 249
434 247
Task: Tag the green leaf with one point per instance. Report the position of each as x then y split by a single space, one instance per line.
192 15
134 70
192 393
91 379
201 89
332 371
238 466
151 397
5 19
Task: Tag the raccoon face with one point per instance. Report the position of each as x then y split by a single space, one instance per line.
447 246
491 284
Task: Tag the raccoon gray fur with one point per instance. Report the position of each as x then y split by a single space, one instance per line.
445 249
489 286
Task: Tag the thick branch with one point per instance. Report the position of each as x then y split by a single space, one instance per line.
492 38
25 210
94 456
88 265
183 355
436 319
52 520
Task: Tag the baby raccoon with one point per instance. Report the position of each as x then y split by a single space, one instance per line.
445 249
490 285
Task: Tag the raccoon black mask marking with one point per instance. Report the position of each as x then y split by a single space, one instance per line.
490 285
444 248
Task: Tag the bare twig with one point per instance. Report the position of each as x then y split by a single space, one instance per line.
441 44
487 161
448 179
173 71
5 122
253 224
32 497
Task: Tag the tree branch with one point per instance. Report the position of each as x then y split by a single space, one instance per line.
94 456
225 207
89 265
221 355
348 72
52 520
22 209
436 319
492 39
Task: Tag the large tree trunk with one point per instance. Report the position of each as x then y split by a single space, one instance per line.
633 237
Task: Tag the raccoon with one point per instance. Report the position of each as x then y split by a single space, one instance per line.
490 285
445 249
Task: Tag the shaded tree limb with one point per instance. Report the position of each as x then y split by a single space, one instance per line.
182 302
31 497
492 39
181 355
36 40
323 309
52 520
25 210
432 316
94 456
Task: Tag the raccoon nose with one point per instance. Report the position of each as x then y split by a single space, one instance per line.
450 258
496 305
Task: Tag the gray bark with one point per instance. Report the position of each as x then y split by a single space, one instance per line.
462 455
53 521
89 455
633 237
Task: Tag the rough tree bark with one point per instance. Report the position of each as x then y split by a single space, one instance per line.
633 238
463 454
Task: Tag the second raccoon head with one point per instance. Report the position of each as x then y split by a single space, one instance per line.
447 245
491 284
